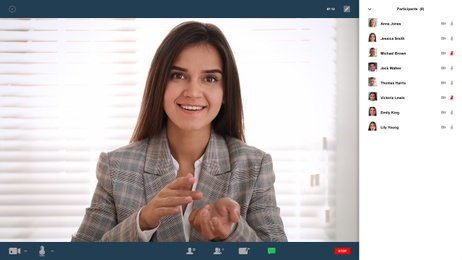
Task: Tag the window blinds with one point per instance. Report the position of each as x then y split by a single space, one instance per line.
71 88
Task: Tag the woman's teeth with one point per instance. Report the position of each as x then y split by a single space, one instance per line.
193 108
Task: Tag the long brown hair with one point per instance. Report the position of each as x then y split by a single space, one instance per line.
152 118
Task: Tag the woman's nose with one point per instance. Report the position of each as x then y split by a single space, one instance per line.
193 89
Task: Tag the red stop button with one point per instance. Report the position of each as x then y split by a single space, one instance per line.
342 250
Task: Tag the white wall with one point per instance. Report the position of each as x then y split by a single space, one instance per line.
347 203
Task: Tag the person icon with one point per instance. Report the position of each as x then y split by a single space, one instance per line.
372 126
372 22
372 111
190 251
372 96
372 37
42 251
372 52
372 66
217 251
372 82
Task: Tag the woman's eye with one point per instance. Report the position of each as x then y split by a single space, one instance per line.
211 79
177 76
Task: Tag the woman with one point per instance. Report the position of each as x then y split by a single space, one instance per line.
372 22
187 174
372 111
372 126
372 37
372 96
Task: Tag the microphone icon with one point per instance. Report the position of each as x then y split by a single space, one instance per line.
42 251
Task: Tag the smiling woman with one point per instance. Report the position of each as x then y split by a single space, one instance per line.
188 175
71 88
194 94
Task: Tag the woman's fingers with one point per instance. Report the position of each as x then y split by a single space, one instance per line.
168 200
216 219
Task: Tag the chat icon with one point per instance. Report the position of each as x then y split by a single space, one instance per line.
271 250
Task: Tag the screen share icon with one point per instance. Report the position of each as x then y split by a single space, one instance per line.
244 250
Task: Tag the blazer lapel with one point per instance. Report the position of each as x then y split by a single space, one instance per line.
213 180
159 172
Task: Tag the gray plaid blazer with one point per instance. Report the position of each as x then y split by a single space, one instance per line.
130 176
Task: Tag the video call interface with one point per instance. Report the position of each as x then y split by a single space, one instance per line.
292 129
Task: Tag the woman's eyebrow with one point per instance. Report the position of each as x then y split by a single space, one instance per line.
205 71
178 68
214 71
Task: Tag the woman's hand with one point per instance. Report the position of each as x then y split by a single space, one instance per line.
167 200
215 220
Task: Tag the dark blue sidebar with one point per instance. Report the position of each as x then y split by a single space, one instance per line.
235 251
179 9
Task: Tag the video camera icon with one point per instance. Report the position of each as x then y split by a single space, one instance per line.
14 251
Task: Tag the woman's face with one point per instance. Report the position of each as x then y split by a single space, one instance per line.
372 111
194 92
372 96
372 37
372 23
372 126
